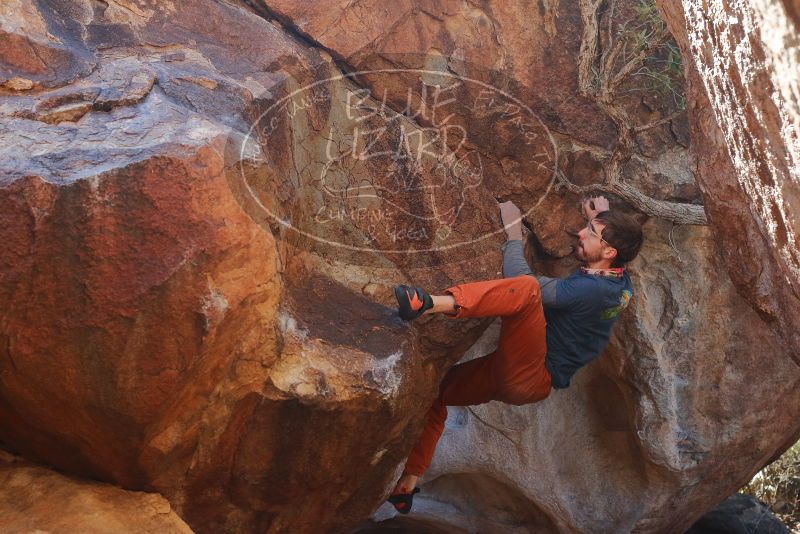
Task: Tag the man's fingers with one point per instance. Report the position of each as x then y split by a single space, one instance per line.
588 207
596 204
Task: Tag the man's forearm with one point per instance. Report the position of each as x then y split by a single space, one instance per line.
514 263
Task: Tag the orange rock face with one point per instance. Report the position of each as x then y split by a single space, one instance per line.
35 499
202 223
159 330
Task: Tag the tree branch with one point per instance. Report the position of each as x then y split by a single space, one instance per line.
659 122
587 55
676 212
638 60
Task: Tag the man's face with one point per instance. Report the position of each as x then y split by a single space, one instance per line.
590 243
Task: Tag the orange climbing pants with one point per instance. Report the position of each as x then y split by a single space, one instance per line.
514 373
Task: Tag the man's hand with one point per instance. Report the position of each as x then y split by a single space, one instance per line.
512 220
594 205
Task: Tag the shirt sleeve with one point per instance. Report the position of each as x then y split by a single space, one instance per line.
514 264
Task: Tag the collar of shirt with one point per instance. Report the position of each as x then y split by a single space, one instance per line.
615 272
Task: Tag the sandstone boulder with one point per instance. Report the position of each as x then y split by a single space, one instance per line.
156 332
35 499
744 97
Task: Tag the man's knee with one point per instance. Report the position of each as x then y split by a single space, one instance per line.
529 285
533 284
521 395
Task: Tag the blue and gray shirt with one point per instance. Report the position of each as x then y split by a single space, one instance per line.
579 309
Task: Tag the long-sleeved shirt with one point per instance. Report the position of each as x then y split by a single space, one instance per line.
580 311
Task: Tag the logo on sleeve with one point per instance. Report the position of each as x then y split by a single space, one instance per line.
624 299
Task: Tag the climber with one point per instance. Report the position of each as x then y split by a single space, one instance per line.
550 327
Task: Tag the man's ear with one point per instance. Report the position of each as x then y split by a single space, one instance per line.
609 253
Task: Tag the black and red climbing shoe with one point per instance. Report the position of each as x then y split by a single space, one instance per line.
412 302
402 501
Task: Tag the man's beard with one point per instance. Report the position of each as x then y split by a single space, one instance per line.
583 257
